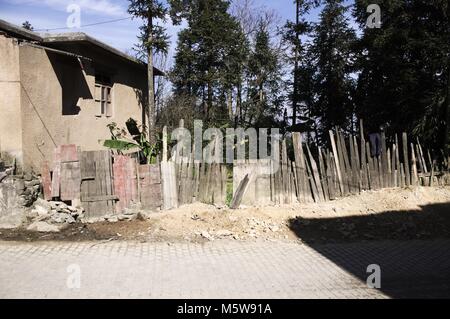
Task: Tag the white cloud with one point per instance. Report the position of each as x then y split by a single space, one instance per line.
37 22
104 7
52 14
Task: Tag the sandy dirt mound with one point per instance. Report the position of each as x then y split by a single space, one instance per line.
386 214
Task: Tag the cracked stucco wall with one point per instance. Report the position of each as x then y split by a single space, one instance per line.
34 86
10 105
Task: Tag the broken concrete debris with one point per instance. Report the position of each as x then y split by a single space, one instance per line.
40 226
52 216
262 225
127 214
206 235
224 233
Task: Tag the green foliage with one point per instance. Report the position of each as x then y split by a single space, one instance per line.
27 25
301 85
236 78
138 141
229 194
396 76
331 49
209 56
323 65
264 80
404 80
119 145
149 11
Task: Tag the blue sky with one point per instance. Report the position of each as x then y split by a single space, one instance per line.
49 14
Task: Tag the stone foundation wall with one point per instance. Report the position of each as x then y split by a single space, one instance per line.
17 194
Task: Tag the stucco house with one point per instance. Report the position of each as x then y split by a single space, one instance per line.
63 89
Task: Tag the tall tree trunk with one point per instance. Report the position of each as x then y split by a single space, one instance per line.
151 89
238 114
204 106
260 103
296 58
230 103
209 102
446 146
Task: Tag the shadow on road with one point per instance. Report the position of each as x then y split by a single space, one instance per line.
412 248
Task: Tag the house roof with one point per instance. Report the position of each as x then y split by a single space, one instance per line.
67 38
19 32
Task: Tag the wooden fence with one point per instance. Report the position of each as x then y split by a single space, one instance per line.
188 182
317 174
107 184
103 183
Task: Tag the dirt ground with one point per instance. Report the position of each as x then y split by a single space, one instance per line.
387 214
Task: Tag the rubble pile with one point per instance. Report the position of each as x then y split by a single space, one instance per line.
52 216
255 226
219 234
128 214
252 228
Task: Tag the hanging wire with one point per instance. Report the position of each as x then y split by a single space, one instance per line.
83 26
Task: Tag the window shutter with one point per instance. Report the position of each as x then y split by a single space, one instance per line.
97 93
108 103
108 111
98 102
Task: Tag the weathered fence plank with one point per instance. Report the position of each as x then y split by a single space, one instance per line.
125 181
315 180
169 185
97 195
406 159
150 186
337 162
46 181
323 176
240 191
345 166
414 167
56 178
364 173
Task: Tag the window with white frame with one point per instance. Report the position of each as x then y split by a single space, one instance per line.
103 95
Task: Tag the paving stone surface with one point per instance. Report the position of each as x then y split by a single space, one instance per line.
223 269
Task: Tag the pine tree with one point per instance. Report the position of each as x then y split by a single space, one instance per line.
333 57
27 25
264 78
152 40
292 34
404 80
209 55
301 83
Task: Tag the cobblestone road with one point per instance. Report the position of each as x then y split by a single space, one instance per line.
223 269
